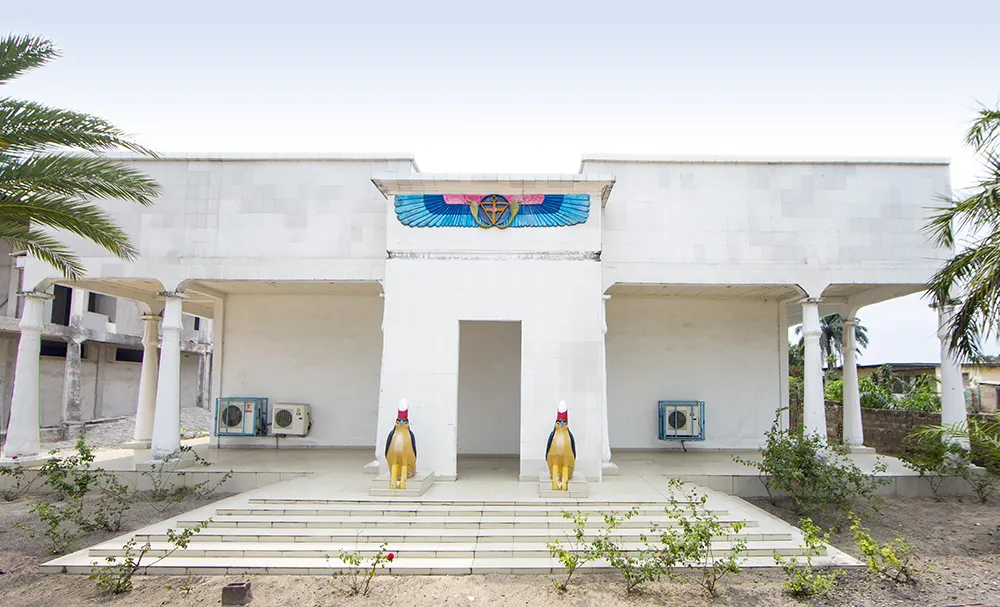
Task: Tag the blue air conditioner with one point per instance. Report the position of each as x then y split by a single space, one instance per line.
681 420
235 416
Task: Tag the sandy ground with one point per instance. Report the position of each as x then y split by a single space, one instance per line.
961 540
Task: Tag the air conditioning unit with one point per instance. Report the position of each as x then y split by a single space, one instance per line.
681 420
236 416
287 418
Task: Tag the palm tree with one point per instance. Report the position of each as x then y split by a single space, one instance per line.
50 170
831 337
971 279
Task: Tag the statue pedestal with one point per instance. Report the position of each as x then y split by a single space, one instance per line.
578 488
415 486
371 467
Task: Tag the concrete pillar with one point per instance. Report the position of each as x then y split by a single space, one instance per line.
609 468
814 409
854 435
952 389
23 439
146 407
167 416
72 391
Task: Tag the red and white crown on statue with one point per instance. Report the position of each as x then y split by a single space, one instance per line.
562 416
404 409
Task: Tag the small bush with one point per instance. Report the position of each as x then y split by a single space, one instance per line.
21 482
637 567
801 580
575 552
358 580
935 460
819 479
692 546
116 576
892 560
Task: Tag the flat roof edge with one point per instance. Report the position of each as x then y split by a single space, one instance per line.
670 159
274 156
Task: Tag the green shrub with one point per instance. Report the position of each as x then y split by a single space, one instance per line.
575 552
934 460
637 567
358 579
692 546
116 576
892 560
801 580
820 480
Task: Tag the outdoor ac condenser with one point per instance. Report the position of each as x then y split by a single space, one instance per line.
681 420
236 416
290 419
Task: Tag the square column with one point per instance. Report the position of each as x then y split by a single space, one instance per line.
606 463
23 437
146 406
167 416
854 435
814 409
953 410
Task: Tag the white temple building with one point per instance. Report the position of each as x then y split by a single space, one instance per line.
654 295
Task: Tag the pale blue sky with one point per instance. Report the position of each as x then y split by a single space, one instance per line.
530 86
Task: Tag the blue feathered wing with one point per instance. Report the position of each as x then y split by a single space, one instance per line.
432 211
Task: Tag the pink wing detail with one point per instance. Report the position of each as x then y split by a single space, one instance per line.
465 198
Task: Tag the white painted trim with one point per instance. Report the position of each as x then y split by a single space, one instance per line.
680 159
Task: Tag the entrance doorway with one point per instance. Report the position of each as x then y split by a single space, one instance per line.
489 394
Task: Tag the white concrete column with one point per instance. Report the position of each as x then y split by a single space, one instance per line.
814 410
952 389
167 417
605 435
146 407
854 435
23 438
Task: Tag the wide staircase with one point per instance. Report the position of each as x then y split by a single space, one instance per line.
272 535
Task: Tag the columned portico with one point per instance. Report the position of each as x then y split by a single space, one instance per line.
146 406
952 390
853 431
814 409
166 439
23 438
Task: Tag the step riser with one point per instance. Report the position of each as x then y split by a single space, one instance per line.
416 524
334 554
435 513
401 540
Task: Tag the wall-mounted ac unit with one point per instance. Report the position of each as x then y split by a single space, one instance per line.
236 416
681 420
290 419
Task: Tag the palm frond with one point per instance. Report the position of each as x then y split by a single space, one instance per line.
76 176
81 217
21 54
975 273
43 246
33 127
985 129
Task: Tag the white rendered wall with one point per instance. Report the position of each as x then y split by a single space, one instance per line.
777 223
320 350
249 219
559 306
723 352
489 388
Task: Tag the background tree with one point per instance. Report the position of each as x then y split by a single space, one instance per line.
50 172
971 278
831 337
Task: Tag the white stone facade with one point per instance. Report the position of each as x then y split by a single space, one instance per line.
680 285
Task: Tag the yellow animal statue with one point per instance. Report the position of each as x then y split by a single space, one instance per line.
401 449
560 451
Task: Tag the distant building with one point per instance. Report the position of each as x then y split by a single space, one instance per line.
979 381
90 354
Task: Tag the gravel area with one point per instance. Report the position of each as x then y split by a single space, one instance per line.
112 434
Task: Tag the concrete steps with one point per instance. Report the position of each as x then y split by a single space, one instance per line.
306 536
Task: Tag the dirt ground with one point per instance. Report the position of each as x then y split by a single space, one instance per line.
959 539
